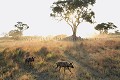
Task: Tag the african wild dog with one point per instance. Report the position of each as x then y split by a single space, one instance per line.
65 65
29 60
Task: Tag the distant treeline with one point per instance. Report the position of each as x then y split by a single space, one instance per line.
59 37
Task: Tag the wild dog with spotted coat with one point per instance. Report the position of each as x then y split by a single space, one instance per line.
65 65
29 60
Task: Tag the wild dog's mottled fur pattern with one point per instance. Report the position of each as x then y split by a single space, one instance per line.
29 60
65 65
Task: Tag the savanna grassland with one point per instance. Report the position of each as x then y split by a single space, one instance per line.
93 59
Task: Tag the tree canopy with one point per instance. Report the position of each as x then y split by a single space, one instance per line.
73 12
15 33
104 27
21 27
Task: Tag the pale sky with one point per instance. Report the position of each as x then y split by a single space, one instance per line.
36 13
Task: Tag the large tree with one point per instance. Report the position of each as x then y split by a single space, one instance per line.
73 12
104 27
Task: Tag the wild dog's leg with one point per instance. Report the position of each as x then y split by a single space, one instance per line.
68 69
56 67
59 68
64 69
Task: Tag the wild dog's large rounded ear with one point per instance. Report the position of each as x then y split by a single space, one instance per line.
71 63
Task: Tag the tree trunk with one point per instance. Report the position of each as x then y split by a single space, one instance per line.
100 31
74 34
106 31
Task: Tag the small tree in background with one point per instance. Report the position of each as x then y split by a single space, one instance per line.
73 12
15 34
18 32
104 27
117 32
5 34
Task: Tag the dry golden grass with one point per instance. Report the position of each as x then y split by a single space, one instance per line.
93 59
